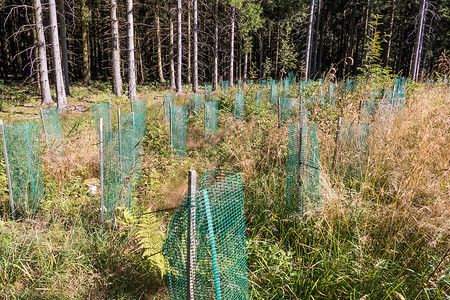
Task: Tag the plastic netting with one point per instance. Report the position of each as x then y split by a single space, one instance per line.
273 95
23 146
102 110
263 83
122 163
331 94
289 108
303 169
178 129
220 270
51 122
240 85
195 103
286 90
169 100
208 93
239 105
291 77
211 115
250 83
258 100
225 86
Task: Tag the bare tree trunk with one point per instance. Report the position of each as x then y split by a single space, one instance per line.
233 21
309 42
419 43
159 50
391 27
131 60
261 51
60 89
316 37
172 64
43 71
216 45
245 65
85 17
63 38
116 76
195 88
180 50
277 49
189 75
367 27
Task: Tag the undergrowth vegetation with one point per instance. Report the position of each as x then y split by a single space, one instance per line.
381 235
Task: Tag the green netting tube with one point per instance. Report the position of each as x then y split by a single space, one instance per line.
310 176
178 130
258 100
51 121
195 103
331 94
289 108
286 91
292 169
273 95
250 83
263 83
291 77
225 86
102 110
213 245
239 103
211 114
240 85
208 93
169 100
23 144
139 106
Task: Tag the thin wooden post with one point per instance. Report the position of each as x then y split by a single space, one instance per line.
102 207
337 144
192 253
8 176
45 131
279 112
300 178
170 125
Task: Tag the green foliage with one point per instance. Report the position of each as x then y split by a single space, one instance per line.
288 54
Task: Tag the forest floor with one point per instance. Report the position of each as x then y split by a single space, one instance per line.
381 234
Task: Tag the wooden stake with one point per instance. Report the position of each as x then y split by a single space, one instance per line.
8 176
102 207
192 182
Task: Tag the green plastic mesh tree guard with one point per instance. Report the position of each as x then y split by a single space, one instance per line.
195 103
303 169
178 129
239 105
208 93
240 85
258 100
51 121
289 108
273 95
23 146
250 83
291 76
286 90
220 270
331 94
211 115
225 86
102 110
263 83
169 100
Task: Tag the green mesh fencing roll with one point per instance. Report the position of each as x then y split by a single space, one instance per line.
208 93
102 110
169 100
51 122
220 270
178 129
303 169
23 146
289 108
195 103
225 86
239 105
211 115
273 95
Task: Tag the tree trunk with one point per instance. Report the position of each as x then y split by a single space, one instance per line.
180 50
245 65
63 38
367 28
261 51
316 37
85 17
116 76
131 60
195 88
277 50
309 41
391 26
171 53
59 80
189 44
233 20
216 45
419 41
43 71
159 50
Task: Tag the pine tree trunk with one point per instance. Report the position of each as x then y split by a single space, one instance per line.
180 50
189 75
85 16
159 50
309 42
277 50
316 37
391 26
43 70
419 41
233 21
59 80
131 59
195 88
63 41
216 46
245 65
171 53
261 51
116 76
